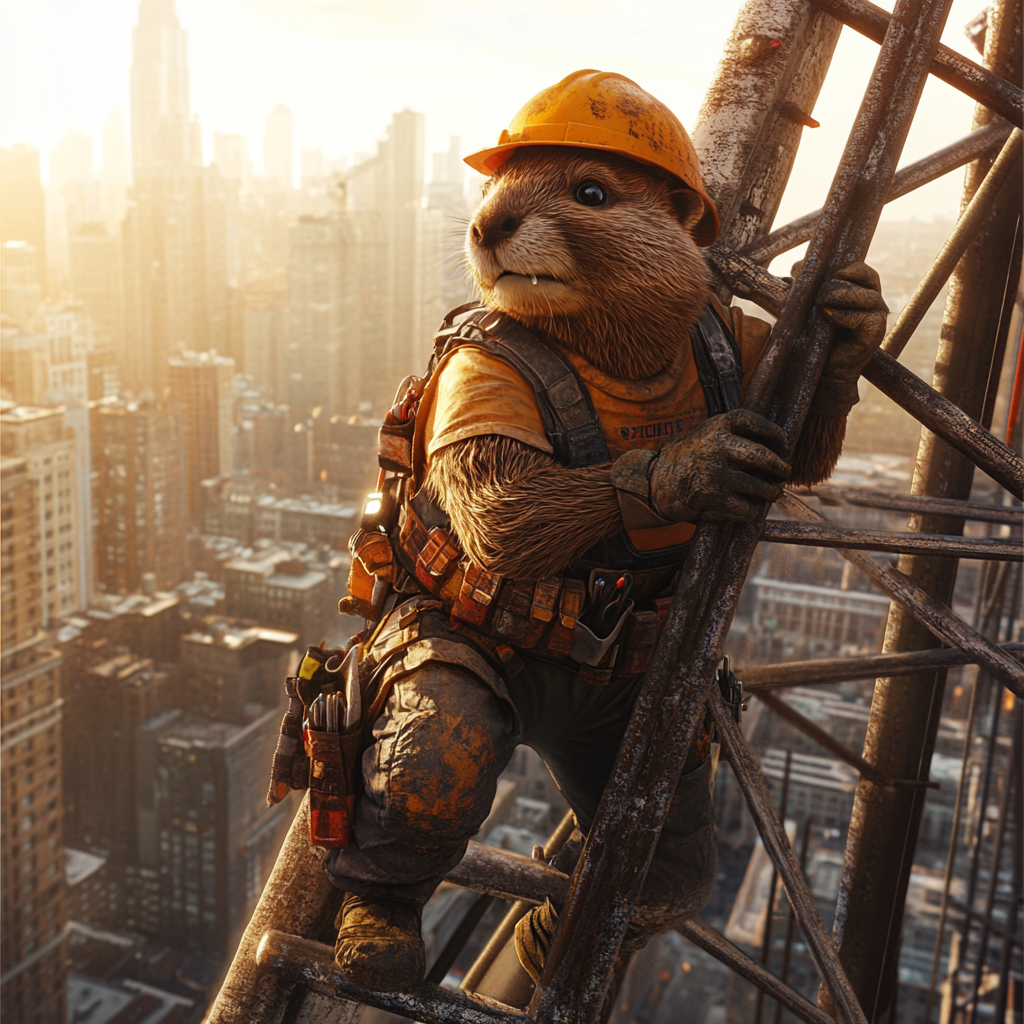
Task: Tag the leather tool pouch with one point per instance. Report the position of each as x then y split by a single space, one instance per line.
333 761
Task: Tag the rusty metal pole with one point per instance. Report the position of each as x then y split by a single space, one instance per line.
671 701
905 715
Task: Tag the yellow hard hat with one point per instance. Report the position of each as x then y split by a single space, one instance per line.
607 112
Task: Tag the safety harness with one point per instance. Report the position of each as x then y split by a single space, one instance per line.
406 545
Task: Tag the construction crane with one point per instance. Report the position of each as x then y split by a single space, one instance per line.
747 136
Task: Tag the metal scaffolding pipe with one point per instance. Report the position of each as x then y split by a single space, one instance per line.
312 964
978 211
776 842
927 405
904 715
832 494
953 546
671 700
978 143
838 670
934 616
712 941
983 85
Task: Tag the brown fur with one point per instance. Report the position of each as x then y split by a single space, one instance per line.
628 280
621 285
818 449
518 512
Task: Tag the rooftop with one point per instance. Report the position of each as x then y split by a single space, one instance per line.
79 865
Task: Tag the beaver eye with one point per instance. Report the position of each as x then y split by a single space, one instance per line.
591 194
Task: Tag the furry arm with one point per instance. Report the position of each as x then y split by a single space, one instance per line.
518 512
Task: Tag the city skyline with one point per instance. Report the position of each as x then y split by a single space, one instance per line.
343 69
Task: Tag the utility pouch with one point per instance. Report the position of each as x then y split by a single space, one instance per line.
332 793
333 738
476 599
371 560
394 443
639 643
290 767
570 605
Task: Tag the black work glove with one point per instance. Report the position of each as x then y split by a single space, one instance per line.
725 469
852 300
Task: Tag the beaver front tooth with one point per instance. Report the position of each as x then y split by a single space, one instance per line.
534 278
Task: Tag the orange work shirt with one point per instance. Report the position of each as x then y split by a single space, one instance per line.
473 392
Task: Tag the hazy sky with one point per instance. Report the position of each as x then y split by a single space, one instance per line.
343 66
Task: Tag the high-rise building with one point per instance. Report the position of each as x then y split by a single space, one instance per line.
74 196
49 447
175 234
447 195
265 337
105 704
139 495
228 667
398 267
48 355
273 588
277 146
20 290
324 360
22 209
32 958
96 279
201 387
213 840
164 135
115 171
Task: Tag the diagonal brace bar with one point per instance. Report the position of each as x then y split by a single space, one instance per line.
970 78
977 144
831 744
978 211
776 842
906 389
712 941
936 617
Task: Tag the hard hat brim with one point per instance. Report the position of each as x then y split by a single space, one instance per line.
487 161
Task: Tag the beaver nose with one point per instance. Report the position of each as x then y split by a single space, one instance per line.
494 229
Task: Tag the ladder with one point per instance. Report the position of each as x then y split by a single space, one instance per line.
747 136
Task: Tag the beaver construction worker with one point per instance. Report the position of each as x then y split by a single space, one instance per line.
545 482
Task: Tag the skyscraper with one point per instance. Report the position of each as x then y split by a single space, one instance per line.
323 360
174 236
22 212
42 438
277 146
201 387
397 269
115 171
164 135
139 496
32 961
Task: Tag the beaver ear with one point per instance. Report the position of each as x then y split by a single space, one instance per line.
689 207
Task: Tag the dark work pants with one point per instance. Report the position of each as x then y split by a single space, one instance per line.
443 740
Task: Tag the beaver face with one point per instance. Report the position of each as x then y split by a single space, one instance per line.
594 251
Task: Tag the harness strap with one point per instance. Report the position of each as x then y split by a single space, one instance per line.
717 358
570 421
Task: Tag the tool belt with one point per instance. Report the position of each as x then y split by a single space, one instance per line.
405 543
325 730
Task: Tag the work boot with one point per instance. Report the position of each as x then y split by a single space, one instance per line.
379 944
